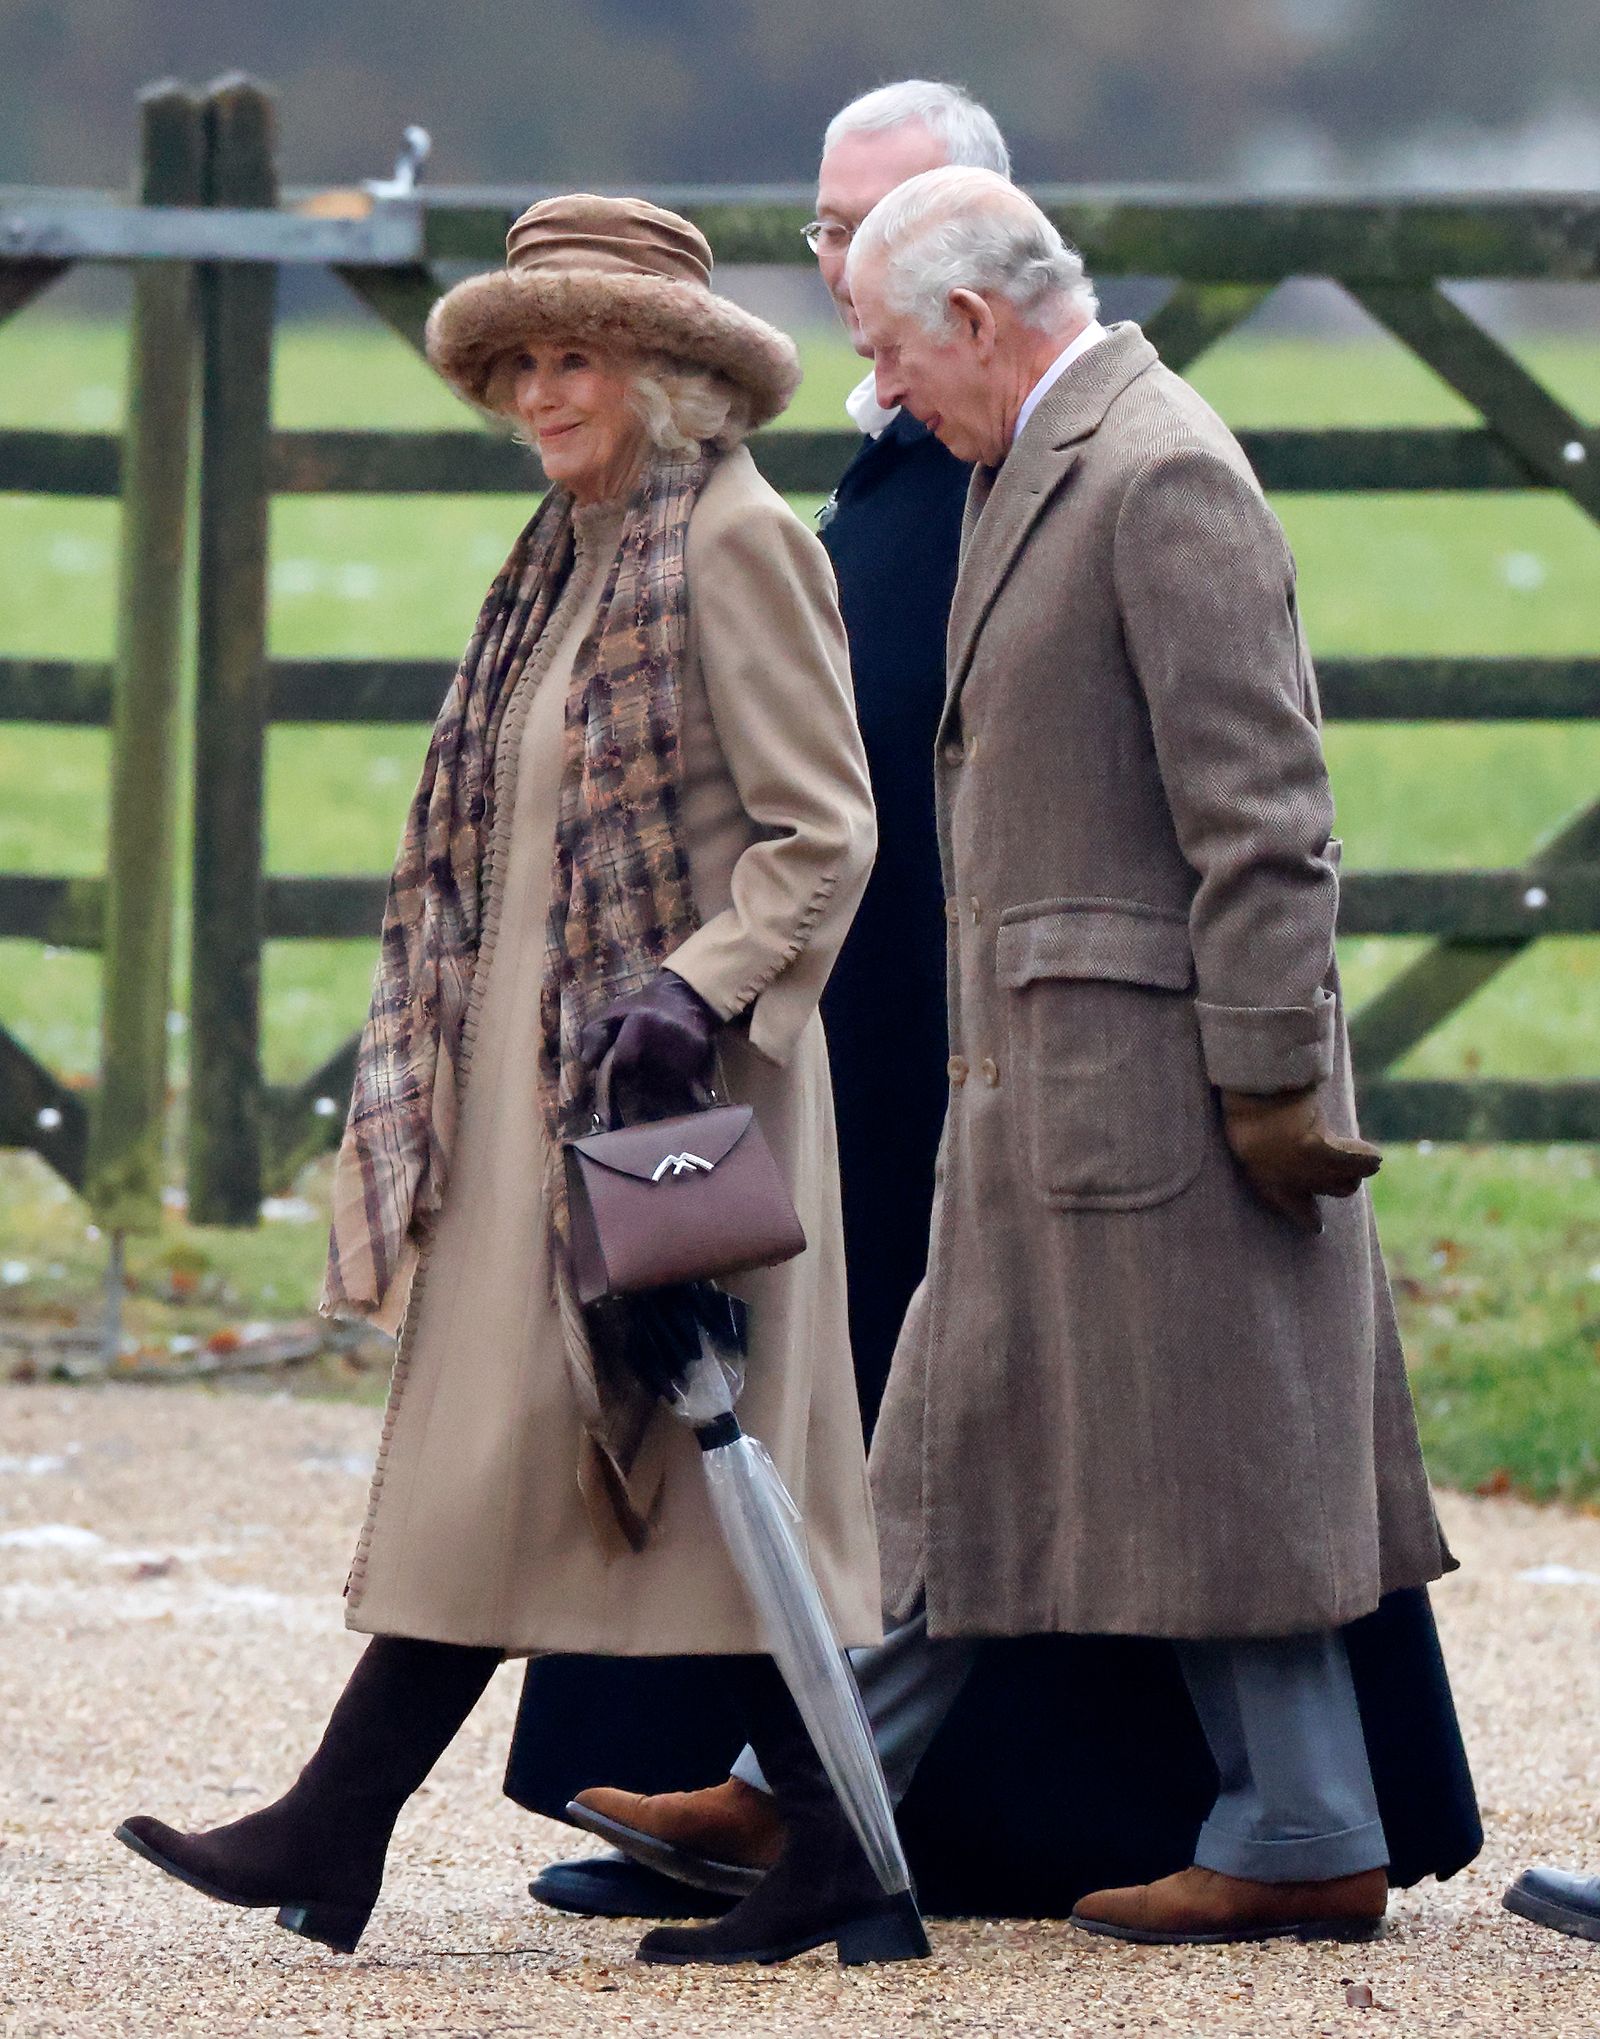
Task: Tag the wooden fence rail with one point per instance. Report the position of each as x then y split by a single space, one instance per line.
205 237
115 1154
125 1161
1337 461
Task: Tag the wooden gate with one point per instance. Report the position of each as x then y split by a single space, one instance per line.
1227 257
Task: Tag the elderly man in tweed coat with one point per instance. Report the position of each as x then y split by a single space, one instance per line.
1152 1384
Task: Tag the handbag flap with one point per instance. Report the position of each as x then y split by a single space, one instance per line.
664 1149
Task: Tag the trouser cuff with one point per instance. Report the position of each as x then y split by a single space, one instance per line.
1315 1858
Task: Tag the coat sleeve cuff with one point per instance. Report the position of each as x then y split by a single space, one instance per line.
779 990
698 966
1265 1048
777 1012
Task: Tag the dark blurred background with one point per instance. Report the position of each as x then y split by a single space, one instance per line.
1270 93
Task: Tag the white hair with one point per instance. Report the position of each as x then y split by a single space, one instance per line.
683 408
968 131
961 229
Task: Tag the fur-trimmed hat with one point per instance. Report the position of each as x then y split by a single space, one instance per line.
622 274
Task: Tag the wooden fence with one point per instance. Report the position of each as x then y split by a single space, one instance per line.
205 241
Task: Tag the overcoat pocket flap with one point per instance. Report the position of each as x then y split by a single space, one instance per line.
663 1149
1105 939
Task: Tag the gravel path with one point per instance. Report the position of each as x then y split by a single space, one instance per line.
169 1581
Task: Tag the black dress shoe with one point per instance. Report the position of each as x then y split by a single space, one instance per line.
1559 1899
612 1887
821 1887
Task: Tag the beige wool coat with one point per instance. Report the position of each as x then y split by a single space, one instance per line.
476 1531
1130 1398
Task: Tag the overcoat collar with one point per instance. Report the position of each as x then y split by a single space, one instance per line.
1003 503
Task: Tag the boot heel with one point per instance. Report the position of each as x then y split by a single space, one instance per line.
339 1926
894 1933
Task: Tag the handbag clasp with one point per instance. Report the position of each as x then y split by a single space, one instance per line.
682 1164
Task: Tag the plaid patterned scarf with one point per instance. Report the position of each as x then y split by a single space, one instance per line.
620 903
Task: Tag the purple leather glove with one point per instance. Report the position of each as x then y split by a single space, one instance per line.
661 1041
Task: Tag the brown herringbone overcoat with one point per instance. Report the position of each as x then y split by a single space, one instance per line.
1129 1397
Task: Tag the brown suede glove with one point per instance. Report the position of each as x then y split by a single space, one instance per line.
1289 1155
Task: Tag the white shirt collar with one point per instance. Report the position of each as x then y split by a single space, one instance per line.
1091 335
866 413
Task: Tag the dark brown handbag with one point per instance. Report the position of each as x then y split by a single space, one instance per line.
685 1199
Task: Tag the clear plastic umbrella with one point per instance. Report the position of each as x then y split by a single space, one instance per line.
765 1538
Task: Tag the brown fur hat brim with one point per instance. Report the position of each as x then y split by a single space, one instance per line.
475 325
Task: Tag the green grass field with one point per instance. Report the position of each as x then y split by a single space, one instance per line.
1497 1251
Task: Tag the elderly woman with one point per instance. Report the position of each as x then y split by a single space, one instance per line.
642 827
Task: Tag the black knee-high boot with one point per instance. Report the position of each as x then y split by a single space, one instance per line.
822 1887
317 1854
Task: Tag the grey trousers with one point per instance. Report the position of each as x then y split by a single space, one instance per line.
1295 1802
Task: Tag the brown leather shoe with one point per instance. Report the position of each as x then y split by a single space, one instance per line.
1202 1907
724 1838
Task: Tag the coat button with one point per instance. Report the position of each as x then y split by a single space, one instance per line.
952 912
989 1070
977 911
957 1069
955 753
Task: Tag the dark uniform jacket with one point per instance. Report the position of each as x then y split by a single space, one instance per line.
893 531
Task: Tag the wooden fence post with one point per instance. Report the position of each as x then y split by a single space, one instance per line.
225 1088
129 1115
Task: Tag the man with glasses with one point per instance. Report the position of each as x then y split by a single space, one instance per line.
893 530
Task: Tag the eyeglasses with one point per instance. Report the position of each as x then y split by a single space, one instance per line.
831 234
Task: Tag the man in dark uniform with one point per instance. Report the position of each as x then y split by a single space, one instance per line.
1068 1763
892 529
